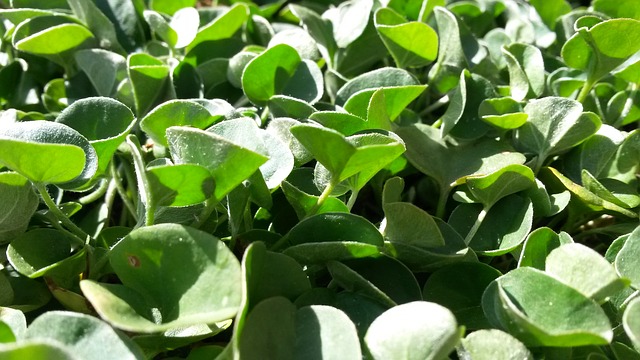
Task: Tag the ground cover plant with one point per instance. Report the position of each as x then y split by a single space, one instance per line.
378 179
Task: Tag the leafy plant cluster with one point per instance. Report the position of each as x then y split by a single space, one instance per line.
380 179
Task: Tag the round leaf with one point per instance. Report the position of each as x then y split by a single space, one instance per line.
172 276
330 227
417 330
540 310
493 344
18 202
47 152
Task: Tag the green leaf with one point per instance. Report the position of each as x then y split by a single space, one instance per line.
182 113
229 164
324 252
417 330
103 121
597 48
15 320
493 344
451 61
555 124
313 332
222 27
490 188
495 235
504 113
331 227
180 185
593 201
627 258
372 80
49 35
411 226
449 164
526 70
383 279
280 70
411 44
98 23
539 310
550 11
37 252
172 276
631 324
304 204
279 127
325 332
269 274
287 106
84 335
150 80
459 288
585 270
245 132
36 350
47 152
320 29
539 245
349 20
363 154
169 7
18 202
104 69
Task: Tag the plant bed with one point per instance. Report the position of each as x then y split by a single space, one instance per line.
396 179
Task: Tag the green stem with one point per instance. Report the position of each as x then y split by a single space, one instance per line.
442 203
143 183
115 177
96 194
109 197
209 206
584 92
435 105
476 226
83 237
352 199
628 104
324 196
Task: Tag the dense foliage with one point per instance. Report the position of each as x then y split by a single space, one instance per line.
380 179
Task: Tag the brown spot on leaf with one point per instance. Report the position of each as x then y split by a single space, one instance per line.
134 261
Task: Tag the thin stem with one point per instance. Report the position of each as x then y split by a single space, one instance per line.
584 92
324 196
476 226
435 105
110 196
209 206
55 210
115 177
352 199
628 104
143 182
96 194
442 203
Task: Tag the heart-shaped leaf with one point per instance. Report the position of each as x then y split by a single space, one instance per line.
555 124
84 335
229 164
490 188
181 113
363 154
417 330
309 332
172 276
48 152
18 202
411 44
540 310
280 70
585 270
180 185
539 245
105 122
